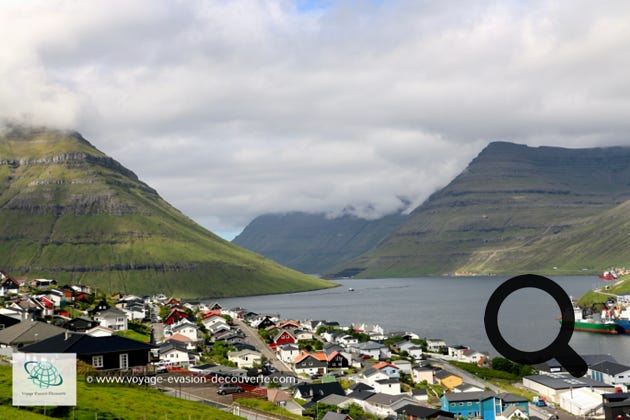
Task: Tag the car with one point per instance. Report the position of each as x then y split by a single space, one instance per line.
161 369
229 389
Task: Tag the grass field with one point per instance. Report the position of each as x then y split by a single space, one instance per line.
112 403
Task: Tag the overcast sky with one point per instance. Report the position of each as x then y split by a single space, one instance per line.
232 109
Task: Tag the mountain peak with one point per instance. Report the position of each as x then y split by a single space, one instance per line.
70 212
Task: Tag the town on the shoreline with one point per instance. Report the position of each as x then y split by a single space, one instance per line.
285 368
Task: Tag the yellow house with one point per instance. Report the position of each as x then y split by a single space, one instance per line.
447 379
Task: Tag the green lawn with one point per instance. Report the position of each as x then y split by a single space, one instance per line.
110 402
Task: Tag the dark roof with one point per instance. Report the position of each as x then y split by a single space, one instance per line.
360 386
385 399
319 391
559 381
361 395
85 344
511 398
417 391
8 321
441 374
420 411
387 381
590 359
610 368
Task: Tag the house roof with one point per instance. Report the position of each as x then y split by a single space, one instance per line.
85 344
468 396
559 381
361 395
360 386
276 395
419 411
381 365
610 368
385 399
387 381
173 345
27 332
305 355
441 374
334 399
179 337
319 391
511 398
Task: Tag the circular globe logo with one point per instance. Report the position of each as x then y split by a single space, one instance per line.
43 374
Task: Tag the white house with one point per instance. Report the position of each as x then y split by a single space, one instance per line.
112 318
245 358
213 321
287 353
610 373
412 349
186 328
174 354
99 331
387 386
435 345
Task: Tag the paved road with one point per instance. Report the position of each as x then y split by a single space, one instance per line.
255 340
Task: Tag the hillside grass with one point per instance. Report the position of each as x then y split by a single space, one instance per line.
75 215
110 402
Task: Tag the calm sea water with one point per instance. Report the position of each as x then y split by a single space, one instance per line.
450 308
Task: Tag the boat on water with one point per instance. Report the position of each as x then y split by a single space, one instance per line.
604 325
609 275
622 319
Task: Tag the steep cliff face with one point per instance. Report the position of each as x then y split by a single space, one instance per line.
508 198
70 212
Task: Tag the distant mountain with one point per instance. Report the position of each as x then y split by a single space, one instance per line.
515 209
313 242
69 212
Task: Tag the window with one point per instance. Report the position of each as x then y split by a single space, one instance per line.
461 404
469 403
124 360
97 361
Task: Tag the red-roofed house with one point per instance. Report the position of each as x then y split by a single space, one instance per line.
311 363
392 371
283 337
176 315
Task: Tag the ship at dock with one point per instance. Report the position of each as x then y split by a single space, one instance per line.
621 317
602 325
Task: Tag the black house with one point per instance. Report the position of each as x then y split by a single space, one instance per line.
617 406
80 324
7 321
112 352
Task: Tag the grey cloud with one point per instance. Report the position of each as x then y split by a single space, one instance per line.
232 109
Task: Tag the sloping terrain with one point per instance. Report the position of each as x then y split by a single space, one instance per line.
514 208
313 242
69 212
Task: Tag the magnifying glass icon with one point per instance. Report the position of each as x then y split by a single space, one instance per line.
559 348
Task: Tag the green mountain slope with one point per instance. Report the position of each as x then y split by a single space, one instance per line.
505 212
69 212
312 242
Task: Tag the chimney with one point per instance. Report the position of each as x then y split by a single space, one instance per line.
66 335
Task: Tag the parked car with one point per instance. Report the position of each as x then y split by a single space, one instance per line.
229 389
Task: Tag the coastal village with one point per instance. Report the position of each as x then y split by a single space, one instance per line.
275 368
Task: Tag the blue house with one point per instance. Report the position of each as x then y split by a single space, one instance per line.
484 404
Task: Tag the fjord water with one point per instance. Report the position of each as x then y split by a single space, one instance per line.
450 308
